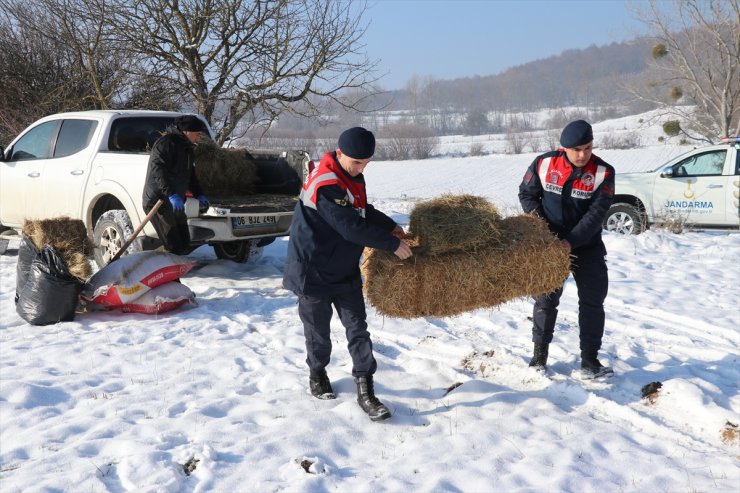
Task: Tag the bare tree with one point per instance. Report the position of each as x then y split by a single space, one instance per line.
696 62
401 141
249 60
64 57
476 122
39 74
516 141
82 28
413 90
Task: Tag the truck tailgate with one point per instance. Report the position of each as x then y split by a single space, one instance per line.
256 203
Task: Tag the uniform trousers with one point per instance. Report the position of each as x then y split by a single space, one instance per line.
316 312
592 281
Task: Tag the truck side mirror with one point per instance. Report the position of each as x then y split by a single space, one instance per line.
667 172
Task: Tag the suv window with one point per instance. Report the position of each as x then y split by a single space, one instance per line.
137 134
706 164
36 143
74 136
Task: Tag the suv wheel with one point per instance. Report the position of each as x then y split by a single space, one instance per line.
624 219
238 251
110 233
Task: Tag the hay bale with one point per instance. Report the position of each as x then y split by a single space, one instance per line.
451 223
526 260
68 237
224 172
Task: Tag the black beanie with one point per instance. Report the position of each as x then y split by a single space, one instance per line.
189 123
357 143
576 134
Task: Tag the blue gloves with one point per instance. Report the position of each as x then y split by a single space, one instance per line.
176 202
204 202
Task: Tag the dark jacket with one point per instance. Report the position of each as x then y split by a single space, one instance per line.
171 169
573 201
327 239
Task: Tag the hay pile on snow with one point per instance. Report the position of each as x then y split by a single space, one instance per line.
68 237
522 259
224 172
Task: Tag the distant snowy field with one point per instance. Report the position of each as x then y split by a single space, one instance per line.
117 402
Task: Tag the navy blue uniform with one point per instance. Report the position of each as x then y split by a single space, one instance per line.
573 201
331 226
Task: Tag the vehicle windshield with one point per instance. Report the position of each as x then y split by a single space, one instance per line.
674 160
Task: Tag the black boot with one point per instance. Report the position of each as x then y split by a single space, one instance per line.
321 386
539 358
367 400
592 368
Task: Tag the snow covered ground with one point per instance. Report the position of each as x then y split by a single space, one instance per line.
116 402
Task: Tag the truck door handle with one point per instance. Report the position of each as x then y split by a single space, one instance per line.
76 172
715 186
34 174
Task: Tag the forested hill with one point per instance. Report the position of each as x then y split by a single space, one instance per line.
590 76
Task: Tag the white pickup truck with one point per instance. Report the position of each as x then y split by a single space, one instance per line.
698 189
91 165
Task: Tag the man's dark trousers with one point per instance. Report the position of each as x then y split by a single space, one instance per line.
316 313
172 229
592 280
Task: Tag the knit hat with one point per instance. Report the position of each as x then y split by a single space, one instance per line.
357 143
576 134
189 123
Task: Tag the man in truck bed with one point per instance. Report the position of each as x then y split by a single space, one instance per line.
170 174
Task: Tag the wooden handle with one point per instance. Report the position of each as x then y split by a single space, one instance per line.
137 231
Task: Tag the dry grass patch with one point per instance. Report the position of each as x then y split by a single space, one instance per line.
480 363
731 433
651 391
68 237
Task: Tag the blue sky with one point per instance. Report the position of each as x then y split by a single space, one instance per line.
463 38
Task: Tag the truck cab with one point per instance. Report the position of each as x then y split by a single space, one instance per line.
698 189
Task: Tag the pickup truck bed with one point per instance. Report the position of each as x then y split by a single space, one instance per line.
91 165
257 203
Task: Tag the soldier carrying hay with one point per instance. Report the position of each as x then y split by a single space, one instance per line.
572 189
332 224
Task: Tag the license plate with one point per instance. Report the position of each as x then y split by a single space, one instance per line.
245 222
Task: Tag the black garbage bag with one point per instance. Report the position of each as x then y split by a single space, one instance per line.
27 251
50 293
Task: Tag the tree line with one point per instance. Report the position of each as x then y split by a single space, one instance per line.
246 64
687 66
235 62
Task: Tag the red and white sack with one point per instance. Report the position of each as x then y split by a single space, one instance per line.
129 277
163 298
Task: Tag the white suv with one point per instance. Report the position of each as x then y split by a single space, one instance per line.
698 189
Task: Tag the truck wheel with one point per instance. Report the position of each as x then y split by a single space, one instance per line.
110 233
237 251
624 219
